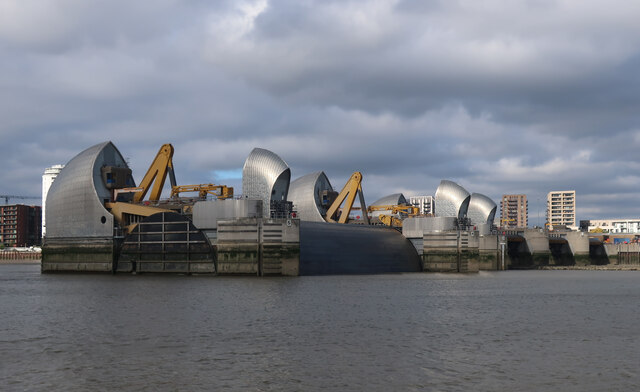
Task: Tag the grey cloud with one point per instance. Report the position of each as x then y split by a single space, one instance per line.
520 97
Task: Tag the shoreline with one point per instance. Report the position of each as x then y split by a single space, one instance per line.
20 261
614 267
609 267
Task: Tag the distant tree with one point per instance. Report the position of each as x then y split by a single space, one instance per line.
596 230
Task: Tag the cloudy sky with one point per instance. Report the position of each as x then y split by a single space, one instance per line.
499 96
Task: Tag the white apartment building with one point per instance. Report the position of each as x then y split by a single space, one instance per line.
561 209
49 175
426 204
615 226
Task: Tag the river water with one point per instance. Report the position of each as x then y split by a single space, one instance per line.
492 331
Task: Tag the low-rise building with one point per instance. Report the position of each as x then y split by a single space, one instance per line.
426 204
20 225
613 226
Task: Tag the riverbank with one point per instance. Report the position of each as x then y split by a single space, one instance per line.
20 261
610 267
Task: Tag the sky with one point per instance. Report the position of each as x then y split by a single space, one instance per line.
501 97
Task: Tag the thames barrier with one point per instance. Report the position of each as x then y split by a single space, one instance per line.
99 220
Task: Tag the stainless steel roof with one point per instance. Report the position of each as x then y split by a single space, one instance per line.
394 199
482 209
451 200
265 176
389 200
305 194
75 200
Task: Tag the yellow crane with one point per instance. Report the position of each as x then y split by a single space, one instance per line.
128 214
219 191
348 196
391 220
396 209
160 167
504 222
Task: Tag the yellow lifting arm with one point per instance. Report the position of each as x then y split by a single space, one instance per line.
390 220
395 209
351 188
128 215
220 191
160 167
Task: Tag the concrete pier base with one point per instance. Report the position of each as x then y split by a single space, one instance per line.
257 246
78 255
488 253
579 245
538 245
453 251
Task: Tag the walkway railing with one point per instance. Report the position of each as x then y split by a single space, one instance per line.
20 255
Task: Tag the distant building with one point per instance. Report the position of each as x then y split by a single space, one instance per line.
612 226
426 204
49 175
514 211
561 209
20 225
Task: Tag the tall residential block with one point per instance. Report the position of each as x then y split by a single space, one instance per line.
49 175
514 211
424 203
20 225
561 209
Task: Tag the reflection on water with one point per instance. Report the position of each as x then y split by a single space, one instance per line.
503 331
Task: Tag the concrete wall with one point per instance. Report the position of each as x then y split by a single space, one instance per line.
579 245
258 246
611 251
78 255
445 249
440 252
207 213
538 245
488 253
415 227
626 254
468 251
452 251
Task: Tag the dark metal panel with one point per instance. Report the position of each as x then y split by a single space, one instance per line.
330 248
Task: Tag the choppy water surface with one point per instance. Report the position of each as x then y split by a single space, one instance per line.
502 331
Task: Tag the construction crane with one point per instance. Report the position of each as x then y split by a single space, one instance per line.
219 191
162 166
505 222
391 220
157 174
7 197
129 215
128 211
397 209
351 188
